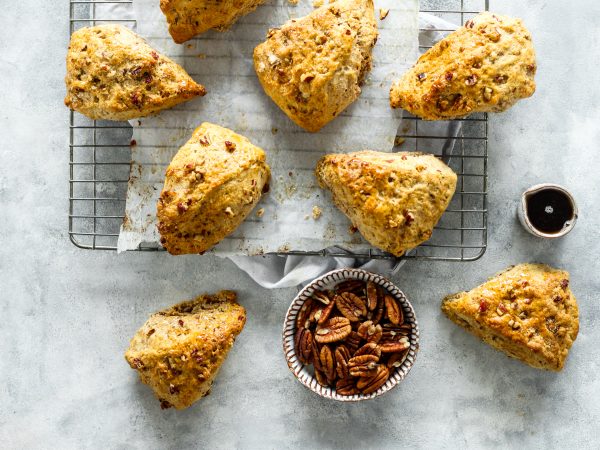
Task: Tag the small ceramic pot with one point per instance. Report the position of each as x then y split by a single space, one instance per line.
525 219
328 281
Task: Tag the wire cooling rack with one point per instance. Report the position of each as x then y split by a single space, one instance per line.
100 158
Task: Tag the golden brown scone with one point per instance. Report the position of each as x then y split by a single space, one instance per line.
527 312
113 74
485 66
393 199
313 67
211 185
179 350
188 18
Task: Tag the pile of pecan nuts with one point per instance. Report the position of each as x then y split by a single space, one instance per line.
354 336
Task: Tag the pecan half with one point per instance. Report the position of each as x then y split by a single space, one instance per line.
342 356
396 359
316 354
362 329
353 341
369 349
335 329
393 330
304 345
303 314
349 286
393 346
374 382
394 311
325 313
315 313
378 312
346 386
321 378
363 365
371 296
370 332
322 297
351 306
327 361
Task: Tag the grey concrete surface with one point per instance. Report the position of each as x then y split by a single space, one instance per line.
66 315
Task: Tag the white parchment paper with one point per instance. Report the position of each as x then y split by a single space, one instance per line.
222 62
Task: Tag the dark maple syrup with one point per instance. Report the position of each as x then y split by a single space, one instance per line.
549 210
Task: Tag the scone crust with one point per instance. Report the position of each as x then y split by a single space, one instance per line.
113 74
211 185
393 199
313 67
178 351
485 66
188 18
527 311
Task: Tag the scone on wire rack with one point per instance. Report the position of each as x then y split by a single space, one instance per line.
528 312
487 65
393 199
179 350
211 185
313 67
113 74
188 18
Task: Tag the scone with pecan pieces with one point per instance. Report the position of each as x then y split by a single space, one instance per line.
393 199
113 74
528 312
485 66
212 184
188 18
178 351
313 67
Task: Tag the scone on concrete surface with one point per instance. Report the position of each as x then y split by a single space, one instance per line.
189 18
212 184
113 74
313 67
485 66
179 350
528 312
393 199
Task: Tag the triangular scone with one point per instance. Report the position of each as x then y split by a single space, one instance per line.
179 350
211 185
485 66
113 74
393 199
313 67
527 312
188 18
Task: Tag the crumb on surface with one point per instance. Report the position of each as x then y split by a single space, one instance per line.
293 2
316 212
201 55
352 229
318 3
383 13
260 212
274 130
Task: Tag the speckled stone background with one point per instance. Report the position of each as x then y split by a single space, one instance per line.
67 315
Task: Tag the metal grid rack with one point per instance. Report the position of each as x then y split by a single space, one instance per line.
100 161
